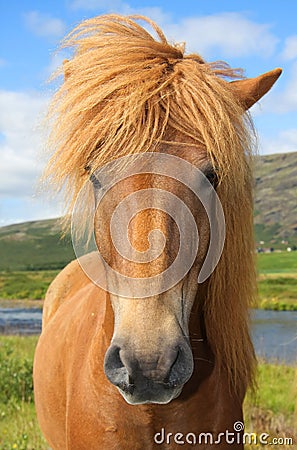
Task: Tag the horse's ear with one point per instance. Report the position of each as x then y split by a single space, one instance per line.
66 69
250 90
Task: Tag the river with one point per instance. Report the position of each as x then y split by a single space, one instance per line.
275 335
274 332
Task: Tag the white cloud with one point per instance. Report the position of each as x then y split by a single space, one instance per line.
22 159
290 49
232 34
44 24
285 141
20 142
3 62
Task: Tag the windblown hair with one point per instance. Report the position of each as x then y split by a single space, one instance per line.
124 92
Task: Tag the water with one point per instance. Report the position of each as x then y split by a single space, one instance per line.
275 335
274 332
20 321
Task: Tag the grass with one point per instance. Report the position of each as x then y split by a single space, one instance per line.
277 281
19 428
270 410
18 424
25 285
273 408
277 263
276 392
278 292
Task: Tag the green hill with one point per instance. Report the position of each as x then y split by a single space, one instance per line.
34 246
38 245
276 200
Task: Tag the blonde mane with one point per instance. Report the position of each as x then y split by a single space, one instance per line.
124 92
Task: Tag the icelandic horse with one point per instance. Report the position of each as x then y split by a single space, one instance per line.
169 368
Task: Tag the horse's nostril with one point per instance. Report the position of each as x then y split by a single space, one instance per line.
112 358
181 368
115 370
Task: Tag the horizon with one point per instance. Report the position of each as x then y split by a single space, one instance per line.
260 37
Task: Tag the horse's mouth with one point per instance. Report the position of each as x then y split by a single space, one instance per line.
150 392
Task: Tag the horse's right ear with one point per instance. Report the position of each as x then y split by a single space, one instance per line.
250 90
66 69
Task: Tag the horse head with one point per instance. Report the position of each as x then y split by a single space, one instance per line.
140 227
127 95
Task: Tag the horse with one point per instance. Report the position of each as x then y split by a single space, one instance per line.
117 366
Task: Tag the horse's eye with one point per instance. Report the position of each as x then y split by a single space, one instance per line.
93 178
95 181
212 177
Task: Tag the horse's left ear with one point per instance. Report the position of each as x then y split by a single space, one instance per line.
250 90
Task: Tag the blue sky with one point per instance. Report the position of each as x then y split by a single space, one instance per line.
255 35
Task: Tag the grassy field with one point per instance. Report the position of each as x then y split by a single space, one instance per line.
278 293
277 263
25 285
277 281
270 409
18 424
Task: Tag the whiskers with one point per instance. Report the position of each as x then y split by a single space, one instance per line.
204 359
